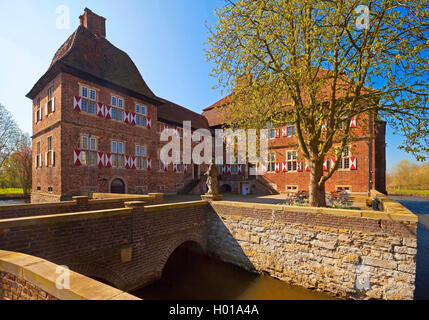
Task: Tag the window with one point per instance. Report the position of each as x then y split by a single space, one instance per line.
271 162
161 188
89 150
93 94
343 188
292 188
290 130
50 189
291 161
271 131
141 189
38 158
344 162
141 115
50 105
38 111
180 166
118 160
117 108
50 157
89 99
140 157
179 186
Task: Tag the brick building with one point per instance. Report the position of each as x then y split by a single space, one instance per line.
97 124
362 167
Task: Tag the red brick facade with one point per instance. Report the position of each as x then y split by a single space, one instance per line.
61 123
56 173
367 152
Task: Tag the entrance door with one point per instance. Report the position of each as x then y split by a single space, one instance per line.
245 190
117 186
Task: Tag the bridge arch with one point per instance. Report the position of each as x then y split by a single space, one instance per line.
194 242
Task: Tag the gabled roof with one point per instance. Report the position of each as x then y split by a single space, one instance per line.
173 113
90 54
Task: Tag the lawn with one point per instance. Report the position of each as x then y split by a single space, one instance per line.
11 191
410 192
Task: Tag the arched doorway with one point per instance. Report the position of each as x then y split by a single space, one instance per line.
117 186
226 188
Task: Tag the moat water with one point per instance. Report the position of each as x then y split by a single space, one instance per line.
420 206
197 277
206 278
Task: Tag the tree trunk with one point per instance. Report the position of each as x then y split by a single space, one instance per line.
317 191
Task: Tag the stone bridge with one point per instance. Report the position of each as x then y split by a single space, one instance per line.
357 254
126 247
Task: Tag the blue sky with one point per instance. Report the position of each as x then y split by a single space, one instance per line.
165 39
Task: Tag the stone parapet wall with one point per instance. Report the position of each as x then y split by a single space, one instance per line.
79 203
25 277
354 254
126 247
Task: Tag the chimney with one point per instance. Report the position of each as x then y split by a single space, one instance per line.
94 23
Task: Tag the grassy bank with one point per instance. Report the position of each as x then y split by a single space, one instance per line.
409 192
11 191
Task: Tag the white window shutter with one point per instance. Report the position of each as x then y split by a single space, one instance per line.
35 117
35 160
46 109
53 104
46 159
40 161
40 113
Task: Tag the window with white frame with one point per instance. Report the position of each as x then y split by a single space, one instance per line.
344 162
140 157
271 167
88 150
50 155
50 100
291 159
89 99
117 149
117 108
38 111
292 188
271 131
141 114
290 130
38 155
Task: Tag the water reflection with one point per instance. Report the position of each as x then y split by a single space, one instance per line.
7 202
420 206
189 276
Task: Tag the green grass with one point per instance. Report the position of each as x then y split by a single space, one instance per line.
11 191
406 191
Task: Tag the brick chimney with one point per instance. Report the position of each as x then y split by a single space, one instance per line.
94 23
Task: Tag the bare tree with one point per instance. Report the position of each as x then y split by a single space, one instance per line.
21 163
10 134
